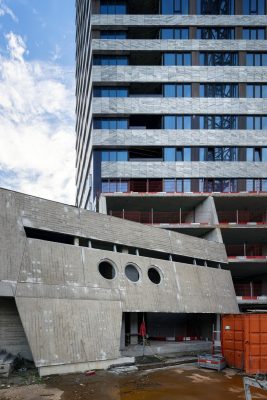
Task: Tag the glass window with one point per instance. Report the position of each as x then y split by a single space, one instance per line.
264 154
110 60
256 59
250 185
169 90
202 154
122 186
187 154
211 7
169 59
250 123
169 122
250 152
174 7
172 33
215 33
179 154
179 185
113 35
254 7
264 185
169 185
176 59
218 58
264 91
169 154
187 185
122 155
105 156
105 187
110 92
105 123
112 7
187 90
250 90
187 122
253 33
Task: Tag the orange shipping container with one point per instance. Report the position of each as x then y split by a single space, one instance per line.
244 342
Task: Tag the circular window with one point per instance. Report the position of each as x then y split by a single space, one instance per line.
107 270
132 273
154 275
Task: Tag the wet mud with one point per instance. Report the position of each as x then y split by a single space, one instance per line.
181 382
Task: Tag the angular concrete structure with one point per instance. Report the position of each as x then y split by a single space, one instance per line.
76 276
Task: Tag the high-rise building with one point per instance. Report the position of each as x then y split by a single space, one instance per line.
172 121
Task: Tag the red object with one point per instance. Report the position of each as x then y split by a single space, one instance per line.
142 330
244 340
89 373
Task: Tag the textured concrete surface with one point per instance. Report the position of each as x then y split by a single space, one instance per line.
71 315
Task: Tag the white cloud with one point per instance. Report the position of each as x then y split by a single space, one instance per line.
37 140
5 10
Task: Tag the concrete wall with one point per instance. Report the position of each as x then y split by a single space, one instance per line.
71 315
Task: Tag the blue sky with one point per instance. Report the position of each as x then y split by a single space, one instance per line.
37 97
47 26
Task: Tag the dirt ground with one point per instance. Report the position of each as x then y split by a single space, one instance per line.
185 382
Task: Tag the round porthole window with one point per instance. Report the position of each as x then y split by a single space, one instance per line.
154 275
107 270
132 273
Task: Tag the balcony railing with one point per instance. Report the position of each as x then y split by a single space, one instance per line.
249 290
242 217
245 250
157 217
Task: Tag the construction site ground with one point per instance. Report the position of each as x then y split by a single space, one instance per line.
185 381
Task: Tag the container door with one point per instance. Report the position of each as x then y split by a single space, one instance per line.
255 337
233 340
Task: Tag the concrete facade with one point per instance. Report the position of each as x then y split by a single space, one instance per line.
71 315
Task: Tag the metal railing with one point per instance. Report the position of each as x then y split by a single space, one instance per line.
242 216
245 250
249 289
164 217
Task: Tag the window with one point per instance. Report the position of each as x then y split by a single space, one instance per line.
219 90
109 91
253 33
169 7
132 272
106 123
177 185
255 91
218 122
176 122
215 33
218 58
254 7
177 59
114 155
219 185
174 33
216 7
113 7
177 90
107 270
256 59
110 60
256 185
177 154
257 154
113 35
257 122
113 186
218 154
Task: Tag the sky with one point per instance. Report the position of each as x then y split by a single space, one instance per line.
37 98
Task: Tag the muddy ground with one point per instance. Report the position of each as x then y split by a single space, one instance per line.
185 382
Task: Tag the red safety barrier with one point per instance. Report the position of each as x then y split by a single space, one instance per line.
244 250
248 290
242 217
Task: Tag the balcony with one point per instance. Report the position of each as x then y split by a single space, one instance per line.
171 218
243 217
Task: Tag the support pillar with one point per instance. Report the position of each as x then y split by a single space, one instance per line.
218 330
122 341
134 328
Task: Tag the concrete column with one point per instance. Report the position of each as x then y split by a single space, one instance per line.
125 250
122 341
134 328
76 241
218 330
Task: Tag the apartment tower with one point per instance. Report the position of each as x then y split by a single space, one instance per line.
172 122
